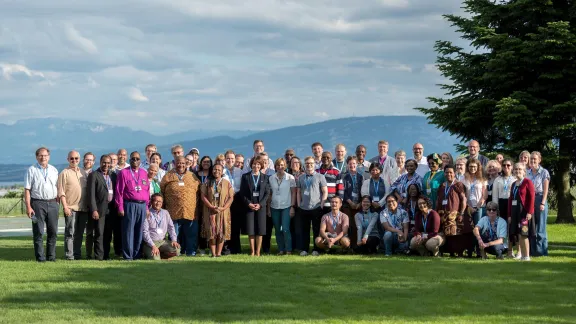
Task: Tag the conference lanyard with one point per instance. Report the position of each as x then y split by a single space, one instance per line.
447 190
157 218
354 181
339 166
107 180
180 177
256 180
515 190
425 220
429 182
137 180
492 232
308 181
413 208
376 185
44 171
507 183
334 220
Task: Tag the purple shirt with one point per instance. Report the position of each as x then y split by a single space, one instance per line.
156 226
126 187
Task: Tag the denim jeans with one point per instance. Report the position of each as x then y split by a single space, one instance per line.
281 220
392 244
539 243
187 233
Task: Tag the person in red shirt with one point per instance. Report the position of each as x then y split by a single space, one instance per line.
521 209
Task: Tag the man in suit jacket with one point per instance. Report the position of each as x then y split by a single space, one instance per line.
474 150
101 186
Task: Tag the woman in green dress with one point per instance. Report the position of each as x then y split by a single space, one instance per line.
152 173
434 178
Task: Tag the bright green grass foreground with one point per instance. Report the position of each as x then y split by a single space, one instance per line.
325 289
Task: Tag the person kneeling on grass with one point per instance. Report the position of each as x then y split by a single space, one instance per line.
155 228
427 236
367 229
333 228
395 222
491 232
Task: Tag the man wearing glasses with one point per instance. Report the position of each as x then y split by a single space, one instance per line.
474 150
40 194
288 155
177 150
132 198
491 232
72 184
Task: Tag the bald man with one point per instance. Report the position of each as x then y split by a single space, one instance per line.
72 186
474 150
418 150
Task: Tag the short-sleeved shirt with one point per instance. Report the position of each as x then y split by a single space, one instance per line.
41 182
335 223
281 190
474 191
395 220
492 231
538 178
72 184
310 192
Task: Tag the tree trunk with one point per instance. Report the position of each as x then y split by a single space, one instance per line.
565 214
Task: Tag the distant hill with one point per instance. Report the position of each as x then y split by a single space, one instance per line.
400 131
19 141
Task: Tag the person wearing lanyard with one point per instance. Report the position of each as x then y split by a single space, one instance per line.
457 222
491 232
205 175
541 179
433 178
521 209
460 168
375 187
400 186
475 188
317 150
493 169
367 235
395 222
132 198
217 197
181 189
152 173
500 195
400 157
333 179
239 161
72 194
100 196
311 193
428 237
412 205
388 167
40 196
352 185
283 186
333 228
254 190
363 165
154 230
234 173
339 161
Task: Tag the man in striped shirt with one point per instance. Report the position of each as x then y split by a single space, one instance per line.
333 179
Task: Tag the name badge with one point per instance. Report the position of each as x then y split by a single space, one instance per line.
216 195
137 188
110 192
256 194
375 199
412 222
490 193
354 195
428 191
445 202
424 236
514 202
159 231
306 193
181 183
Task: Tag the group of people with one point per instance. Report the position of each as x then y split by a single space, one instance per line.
427 205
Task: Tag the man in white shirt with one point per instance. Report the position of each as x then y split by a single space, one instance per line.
423 168
40 194
258 147
122 157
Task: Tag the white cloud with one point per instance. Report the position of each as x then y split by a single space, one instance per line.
431 68
136 95
9 70
80 41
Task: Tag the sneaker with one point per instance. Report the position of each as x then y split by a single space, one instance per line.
281 253
303 253
315 253
525 258
518 257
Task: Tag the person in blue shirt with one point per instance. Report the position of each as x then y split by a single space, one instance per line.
491 232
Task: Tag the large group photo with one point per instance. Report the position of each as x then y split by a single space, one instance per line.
269 161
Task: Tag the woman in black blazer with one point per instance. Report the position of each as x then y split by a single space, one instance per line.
101 184
255 190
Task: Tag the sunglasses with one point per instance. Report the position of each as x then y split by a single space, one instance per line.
75 158
491 209
134 159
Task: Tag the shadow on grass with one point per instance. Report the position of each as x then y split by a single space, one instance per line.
344 288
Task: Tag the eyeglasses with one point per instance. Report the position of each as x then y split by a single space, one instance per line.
491 209
507 165
75 158
134 159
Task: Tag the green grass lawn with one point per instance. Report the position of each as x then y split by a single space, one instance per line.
268 289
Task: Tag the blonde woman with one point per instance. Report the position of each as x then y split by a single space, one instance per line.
447 159
524 157
493 169
521 209
400 157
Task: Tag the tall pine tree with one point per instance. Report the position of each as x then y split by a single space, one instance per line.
516 90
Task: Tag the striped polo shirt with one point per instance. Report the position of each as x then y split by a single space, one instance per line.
333 182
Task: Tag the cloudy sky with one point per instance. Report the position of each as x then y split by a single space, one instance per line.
170 65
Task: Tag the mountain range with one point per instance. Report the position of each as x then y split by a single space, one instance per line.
60 136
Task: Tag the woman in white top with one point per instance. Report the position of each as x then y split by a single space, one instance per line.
493 169
157 158
476 188
501 194
400 157
283 186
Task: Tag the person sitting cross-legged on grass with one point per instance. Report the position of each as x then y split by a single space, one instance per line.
491 232
427 235
155 228
367 229
334 227
395 222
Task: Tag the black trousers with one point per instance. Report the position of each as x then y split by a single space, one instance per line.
370 247
79 227
46 213
96 228
112 230
237 219
268 237
302 225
